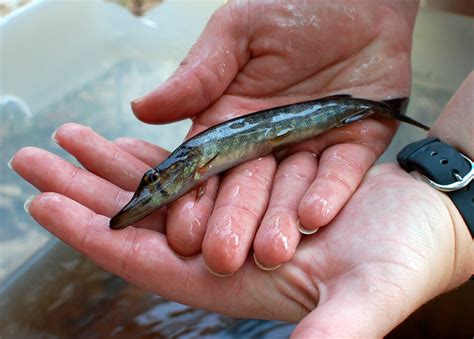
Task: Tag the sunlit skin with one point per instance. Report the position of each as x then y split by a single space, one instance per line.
364 278
259 55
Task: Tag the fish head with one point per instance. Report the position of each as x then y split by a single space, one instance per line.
156 189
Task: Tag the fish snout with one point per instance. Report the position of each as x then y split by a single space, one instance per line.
137 208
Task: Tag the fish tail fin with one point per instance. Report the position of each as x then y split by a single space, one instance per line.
398 105
398 108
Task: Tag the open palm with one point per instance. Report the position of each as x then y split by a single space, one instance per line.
255 55
381 257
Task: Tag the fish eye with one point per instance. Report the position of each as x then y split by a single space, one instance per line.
150 177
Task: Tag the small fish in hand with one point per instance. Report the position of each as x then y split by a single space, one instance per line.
245 138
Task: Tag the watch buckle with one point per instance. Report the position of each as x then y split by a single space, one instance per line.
457 185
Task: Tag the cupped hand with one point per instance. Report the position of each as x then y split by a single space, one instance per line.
390 249
254 55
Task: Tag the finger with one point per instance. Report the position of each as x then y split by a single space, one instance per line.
238 209
138 255
341 169
148 153
143 258
278 236
206 72
100 156
49 173
188 217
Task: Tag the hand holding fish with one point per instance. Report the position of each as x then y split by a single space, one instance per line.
258 55
363 278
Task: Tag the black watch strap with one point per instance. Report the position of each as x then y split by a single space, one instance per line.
444 168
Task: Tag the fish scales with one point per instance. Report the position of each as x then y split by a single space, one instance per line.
257 135
244 138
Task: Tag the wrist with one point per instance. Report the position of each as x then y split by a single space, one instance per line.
463 246
443 168
453 127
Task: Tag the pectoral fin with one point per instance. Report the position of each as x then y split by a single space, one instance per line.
356 116
201 190
203 169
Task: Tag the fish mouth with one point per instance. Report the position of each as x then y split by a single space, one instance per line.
136 209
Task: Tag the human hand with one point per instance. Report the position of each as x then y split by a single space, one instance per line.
382 257
255 55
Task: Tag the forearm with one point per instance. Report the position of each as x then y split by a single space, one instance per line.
455 126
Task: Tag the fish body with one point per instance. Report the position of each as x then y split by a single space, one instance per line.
244 138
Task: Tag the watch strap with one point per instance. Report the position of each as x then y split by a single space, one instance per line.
443 166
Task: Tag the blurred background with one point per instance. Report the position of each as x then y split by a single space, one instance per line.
119 50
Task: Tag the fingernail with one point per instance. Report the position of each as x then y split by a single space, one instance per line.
182 256
220 275
9 163
305 231
185 257
137 101
53 137
27 203
263 267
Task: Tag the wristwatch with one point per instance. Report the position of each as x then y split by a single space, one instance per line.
445 169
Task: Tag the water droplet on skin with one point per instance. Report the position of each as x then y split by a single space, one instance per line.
276 235
193 222
280 237
248 173
235 192
323 205
227 236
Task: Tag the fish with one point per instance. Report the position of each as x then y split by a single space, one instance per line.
244 138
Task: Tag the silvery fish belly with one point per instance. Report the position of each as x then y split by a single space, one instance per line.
244 138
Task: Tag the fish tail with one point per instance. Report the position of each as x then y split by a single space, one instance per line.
398 108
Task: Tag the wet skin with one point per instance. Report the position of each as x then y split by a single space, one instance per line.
363 278
359 49
247 60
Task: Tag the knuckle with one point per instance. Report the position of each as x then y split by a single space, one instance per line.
339 182
120 199
129 246
84 243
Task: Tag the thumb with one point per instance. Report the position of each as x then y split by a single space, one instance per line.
355 314
205 73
